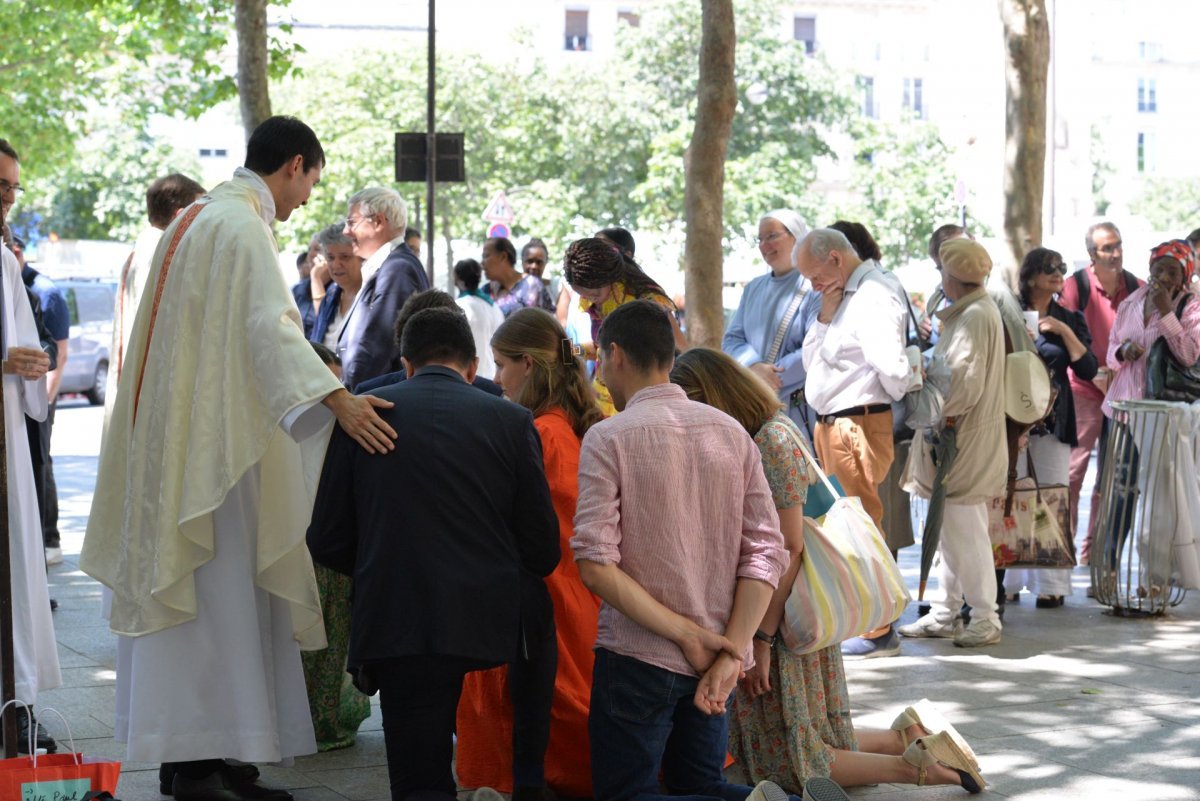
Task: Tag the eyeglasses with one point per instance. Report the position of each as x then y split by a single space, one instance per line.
769 238
1053 267
351 222
10 189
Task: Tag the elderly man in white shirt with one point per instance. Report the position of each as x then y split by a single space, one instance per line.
854 356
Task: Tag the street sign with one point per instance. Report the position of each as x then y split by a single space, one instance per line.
499 210
498 230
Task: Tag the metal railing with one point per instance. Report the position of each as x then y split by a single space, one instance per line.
1133 559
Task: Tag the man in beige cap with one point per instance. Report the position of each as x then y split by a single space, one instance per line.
968 367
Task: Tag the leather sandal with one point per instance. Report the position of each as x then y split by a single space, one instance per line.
924 714
940 749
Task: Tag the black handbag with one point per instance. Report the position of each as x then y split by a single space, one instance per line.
1166 377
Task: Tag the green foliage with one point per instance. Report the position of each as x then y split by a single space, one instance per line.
535 134
101 192
1170 204
1102 170
774 144
905 187
62 60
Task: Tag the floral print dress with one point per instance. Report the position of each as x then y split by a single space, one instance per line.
785 735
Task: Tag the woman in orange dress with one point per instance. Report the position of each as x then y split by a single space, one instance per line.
537 367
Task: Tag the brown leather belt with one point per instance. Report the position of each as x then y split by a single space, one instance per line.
854 411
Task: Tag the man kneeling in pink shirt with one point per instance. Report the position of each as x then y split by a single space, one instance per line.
676 531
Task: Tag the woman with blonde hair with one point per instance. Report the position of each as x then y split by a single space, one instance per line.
790 720
537 367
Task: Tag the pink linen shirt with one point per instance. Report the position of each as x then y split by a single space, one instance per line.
1100 315
674 492
1183 337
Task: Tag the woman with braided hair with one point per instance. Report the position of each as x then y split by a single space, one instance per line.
537 367
606 279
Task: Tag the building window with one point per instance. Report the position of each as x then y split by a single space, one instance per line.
1147 152
1149 51
804 29
221 153
1147 95
866 87
914 100
205 152
630 18
577 30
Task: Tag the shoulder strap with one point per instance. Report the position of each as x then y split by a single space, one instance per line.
1131 282
812 463
785 322
1084 285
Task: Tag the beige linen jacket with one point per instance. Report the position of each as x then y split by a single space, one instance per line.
971 347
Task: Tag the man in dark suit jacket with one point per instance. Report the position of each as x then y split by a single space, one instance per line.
446 537
391 272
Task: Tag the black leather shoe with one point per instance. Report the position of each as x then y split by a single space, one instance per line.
222 785
42 740
241 773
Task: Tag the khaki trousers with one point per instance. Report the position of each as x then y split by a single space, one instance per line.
858 450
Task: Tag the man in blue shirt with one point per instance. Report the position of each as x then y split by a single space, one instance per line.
58 322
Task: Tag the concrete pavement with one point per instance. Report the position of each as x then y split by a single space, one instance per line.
1072 704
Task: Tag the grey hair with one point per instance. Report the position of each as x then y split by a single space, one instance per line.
1090 242
823 241
381 200
328 237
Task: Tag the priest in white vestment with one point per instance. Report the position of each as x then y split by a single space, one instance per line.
165 199
206 483
35 652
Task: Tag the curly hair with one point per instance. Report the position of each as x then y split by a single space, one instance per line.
593 263
558 379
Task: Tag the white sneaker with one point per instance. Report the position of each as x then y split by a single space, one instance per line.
980 632
54 556
767 791
928 626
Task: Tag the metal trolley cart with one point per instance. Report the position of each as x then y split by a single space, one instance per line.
1144 531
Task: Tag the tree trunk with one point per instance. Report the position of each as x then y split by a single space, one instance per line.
1026 64
704 171
253 89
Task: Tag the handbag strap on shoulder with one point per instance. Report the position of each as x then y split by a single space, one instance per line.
812 462
785 322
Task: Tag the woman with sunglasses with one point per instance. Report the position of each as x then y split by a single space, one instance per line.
1063 341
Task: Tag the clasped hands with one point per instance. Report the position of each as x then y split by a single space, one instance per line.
28 363
719 663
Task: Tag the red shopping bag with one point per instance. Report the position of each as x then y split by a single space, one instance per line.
56 777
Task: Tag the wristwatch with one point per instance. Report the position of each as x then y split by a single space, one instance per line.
769 639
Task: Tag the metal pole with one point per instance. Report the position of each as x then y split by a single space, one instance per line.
431 144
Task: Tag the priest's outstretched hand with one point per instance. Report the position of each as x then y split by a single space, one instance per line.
29 363
357 417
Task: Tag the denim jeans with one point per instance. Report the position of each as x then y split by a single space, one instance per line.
642 717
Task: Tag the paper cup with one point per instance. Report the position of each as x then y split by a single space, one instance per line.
1031 323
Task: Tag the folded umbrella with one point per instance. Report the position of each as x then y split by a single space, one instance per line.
945 451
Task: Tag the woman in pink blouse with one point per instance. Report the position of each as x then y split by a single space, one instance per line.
1151 312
